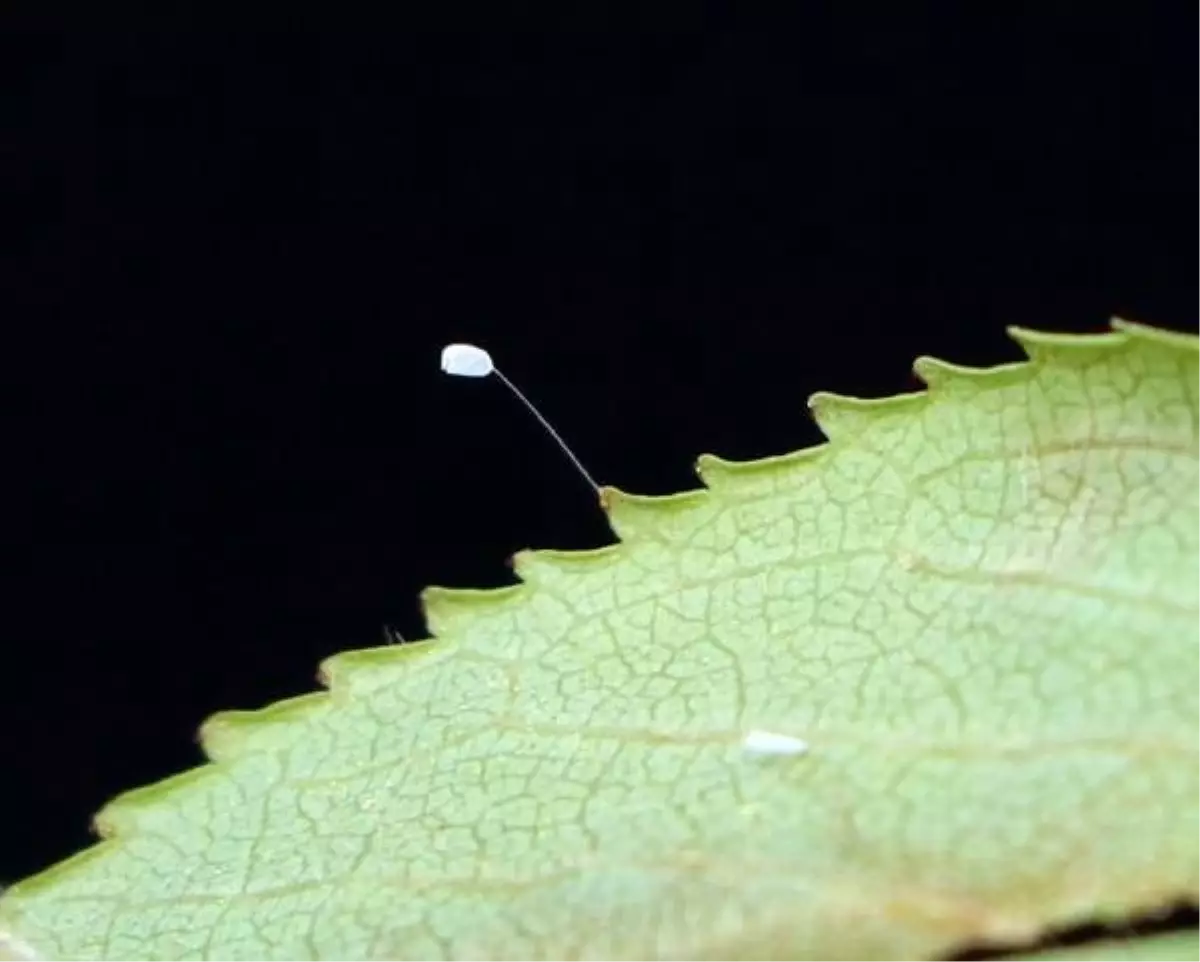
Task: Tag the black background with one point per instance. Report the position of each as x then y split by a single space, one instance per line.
236 257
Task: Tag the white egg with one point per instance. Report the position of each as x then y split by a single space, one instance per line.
466 360
772 743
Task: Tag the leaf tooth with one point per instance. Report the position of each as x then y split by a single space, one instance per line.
228 734
449 610
344 672
123 815
635 517
1045 345
537 567
940 376
717 473
841 416
1136 331
223 736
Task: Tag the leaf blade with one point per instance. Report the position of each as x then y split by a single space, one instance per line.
986 591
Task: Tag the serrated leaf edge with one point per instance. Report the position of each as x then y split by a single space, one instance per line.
224 735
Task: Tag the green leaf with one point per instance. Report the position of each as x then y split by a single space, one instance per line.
977 606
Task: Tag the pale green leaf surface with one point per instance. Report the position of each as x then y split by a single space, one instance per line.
977 605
